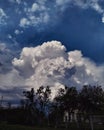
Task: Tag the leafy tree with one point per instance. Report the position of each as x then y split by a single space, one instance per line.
43 99
43 96
91 99
29 95
30 106
67 98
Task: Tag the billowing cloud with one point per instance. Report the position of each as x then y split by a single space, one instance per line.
50 64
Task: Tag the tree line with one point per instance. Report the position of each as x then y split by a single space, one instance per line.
39 109
88 100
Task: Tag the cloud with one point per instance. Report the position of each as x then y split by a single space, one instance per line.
40 13
52 50
34 7
3 16
9 77
11 80
87 72
24 22
3 47
45 12
17 32
37 14
50 64
15 1
11 87
6 55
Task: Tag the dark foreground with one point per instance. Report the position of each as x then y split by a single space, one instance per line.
5 126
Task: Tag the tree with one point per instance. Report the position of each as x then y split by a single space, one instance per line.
29 95
1 102
43 97
91 99
30 106
66 100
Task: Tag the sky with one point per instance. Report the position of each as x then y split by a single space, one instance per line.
50 42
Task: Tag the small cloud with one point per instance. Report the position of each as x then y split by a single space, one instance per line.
46 18
15 1
3 16
17 32
35 7
103 19
2 46
18 1
97 7
10 36
24 22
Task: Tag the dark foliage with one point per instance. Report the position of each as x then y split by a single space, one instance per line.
38 109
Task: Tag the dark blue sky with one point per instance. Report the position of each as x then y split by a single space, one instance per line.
78 25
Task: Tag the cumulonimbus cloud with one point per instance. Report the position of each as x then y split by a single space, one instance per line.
51 64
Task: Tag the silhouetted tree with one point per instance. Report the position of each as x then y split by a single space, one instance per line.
39 107
9 105
1 102
91 99
29 95
43 98
66 100
30 106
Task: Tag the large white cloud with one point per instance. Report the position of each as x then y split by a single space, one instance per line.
50 64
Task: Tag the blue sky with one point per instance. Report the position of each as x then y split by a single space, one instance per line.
77 24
